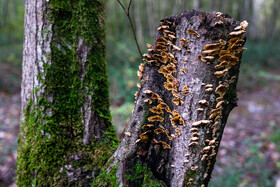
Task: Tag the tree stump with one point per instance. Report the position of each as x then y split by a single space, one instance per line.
188 88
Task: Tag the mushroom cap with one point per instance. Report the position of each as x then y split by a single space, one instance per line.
165 145
156 118
221 90
237 33
160 48
190 31
228 57
156 110
168 86
159 131
222 73
211 52
212 46
174 47
161 40
203 102
147 91
195 124
147 126
178 101
162 28
149 45
164 106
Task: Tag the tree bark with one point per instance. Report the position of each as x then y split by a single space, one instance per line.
184 101
66 134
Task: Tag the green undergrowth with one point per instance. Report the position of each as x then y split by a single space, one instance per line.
51 136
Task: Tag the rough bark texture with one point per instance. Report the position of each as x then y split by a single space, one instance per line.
186 95
66 134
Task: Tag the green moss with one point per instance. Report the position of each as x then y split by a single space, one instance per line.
53 131
106 179
142 176
146 113
190 174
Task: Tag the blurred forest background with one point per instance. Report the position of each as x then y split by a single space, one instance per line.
250 150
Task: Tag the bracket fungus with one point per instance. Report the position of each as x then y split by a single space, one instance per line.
162 40
194 129
177 132
161 48
204 157
165 145
193 139
156 110
168 86
174 47
164 106
209 90
203 102
193 144
147 126
195 134
148 101
178 101
221 73
221 90
156 118
200 109
162 28
191 31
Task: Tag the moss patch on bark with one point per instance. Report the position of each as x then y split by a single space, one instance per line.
51 150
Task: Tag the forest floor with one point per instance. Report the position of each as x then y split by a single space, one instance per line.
248 155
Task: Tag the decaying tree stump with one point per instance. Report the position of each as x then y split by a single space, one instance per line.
188 89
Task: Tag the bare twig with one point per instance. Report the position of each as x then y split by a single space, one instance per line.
131 24
129 5
122 6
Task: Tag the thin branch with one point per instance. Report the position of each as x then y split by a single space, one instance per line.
131 24
135 38
122 5
129 6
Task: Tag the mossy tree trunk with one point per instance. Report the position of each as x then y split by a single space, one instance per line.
66 134
188 90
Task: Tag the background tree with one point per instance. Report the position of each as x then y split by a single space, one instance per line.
66 133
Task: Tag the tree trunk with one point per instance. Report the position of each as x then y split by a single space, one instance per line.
188 89
272 20
138 23
66 134
212 5
197 4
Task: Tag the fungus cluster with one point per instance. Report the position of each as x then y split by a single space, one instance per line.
228 54
160 54
154 127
